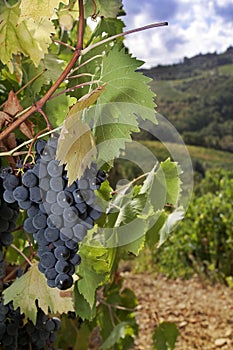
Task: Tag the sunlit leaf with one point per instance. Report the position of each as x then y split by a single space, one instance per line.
31 286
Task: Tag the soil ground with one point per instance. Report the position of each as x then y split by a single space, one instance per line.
202 312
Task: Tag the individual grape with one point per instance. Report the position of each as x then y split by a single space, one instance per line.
6 238
51 197
66 233
95 213
28 225
82 207
58 243
51 234
40 238
83 184
48 260
29 179
4 225
39 146
101 175
62 252
75 260
45 184
8 196
39 221
33 210
10 182
25 205
70 214
63 281
54 169
51 273
72 245
64 199
88 222
94 183
56 184
80 232
78 198
54 221
72 187
88 196
62 266
35 194
45 208
20 193
56 209
42 171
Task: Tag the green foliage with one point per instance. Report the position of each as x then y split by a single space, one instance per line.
203 242
165 335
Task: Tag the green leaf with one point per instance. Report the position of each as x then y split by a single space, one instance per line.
120 331
31 286
82 307
29 38
172 173
97 262
56 109
124 84
36 9
172 220
165 336
105 8
109 26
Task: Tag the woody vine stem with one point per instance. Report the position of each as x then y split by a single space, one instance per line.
38 106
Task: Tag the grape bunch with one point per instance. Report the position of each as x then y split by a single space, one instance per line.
15 333
58 215
8 215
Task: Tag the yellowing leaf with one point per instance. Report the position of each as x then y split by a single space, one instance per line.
36 9
31 286
27 37
76 147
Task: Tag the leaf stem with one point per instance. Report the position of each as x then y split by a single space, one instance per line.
12 152
127 32
64 44
21 253
75 87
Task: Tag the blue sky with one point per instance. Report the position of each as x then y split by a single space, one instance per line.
195 26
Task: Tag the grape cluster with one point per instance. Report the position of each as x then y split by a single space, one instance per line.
8 216
58 215
15 333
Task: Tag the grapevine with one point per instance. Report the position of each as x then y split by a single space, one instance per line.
77 100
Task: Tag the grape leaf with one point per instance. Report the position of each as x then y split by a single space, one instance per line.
165 335
120 331
30 38
124 84
105 8
36 9
97 262
169 225
31 286
82 307
76 146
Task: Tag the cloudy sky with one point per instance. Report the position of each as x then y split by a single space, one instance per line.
195 26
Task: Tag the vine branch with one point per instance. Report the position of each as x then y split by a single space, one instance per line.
77 53
39 104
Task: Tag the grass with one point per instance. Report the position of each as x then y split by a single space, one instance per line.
226 69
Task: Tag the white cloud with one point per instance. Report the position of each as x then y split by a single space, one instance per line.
195 28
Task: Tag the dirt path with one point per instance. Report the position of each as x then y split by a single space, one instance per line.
203 313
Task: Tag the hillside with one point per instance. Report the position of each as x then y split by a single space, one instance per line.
197 97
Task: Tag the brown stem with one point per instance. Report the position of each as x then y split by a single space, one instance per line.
13 272
39 105
75 87
64 44
49 125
